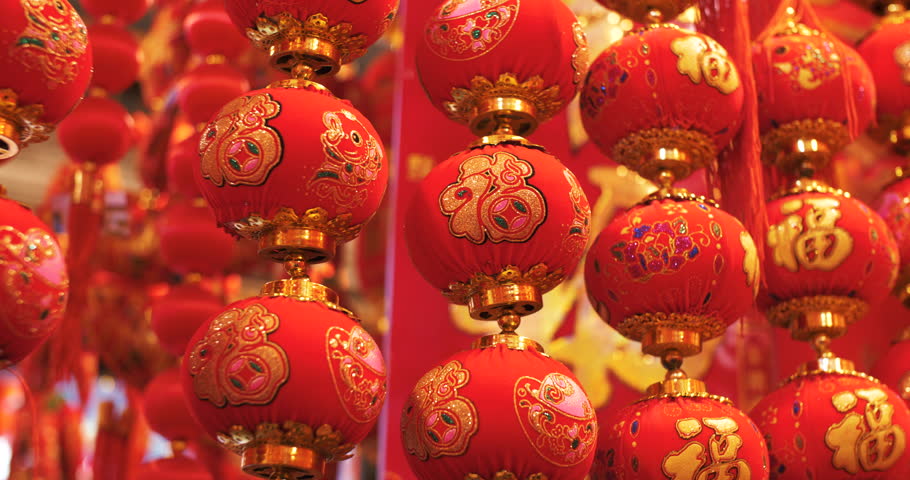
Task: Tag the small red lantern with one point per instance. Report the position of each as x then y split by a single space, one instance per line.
47 63
506 223
490 412
34 284
680 437
98 132
296 168
288 380
177 315
835 425
165 410
894 207
488 51
191 242
181 175
893 368
202 91
677 269
209 31
694 101
125 12
117 57
887 52
177 468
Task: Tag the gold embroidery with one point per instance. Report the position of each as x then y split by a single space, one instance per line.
580 228
812 241
34 276
239 147
580 55
437 421
461 34
358 372
235 363
493 200
353 159
324 439
691 463
466 101
52 41
751 264
817 62
702 58
869 440
284 27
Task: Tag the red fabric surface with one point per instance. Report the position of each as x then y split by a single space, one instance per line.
99 131
176 316
893 369
893 205
181 174
190 241
115 51
178 468
884 50
124 11
165 410
202 91
209 31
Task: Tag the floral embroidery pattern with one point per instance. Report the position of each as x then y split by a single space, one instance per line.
235 363
604 80
239 147
808 64
358 372
33 275
353 159
493 200
557 418
702 58
580 228
437 421
54 38
466 29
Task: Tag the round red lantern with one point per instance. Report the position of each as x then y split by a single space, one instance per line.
324 33
488 411
99 132
694 99
177 315
649 11
480 59
835 425
699 436
887 52
117 57
165 410
191 242
181 175
894 207
35 283
893 368
827 258
177 468
288 380
209 31
296 168
125 12
497 226
672 273
47 64
202 91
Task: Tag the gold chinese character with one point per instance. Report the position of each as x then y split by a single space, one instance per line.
812 242
869 441
721 463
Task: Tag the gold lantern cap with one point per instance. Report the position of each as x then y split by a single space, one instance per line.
508 321
803 147
299 287
807 317
19 125
489 296
312 235
656 152
676 383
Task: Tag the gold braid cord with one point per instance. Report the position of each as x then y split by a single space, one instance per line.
26 118
635 326
339 227
716 398
465 101
505 475
325 440
783 313
781 139
637 149
271 31
539 276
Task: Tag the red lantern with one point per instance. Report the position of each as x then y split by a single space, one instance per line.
125 12
835 426
893 368
177 468
202 91
117 56
99 132
181 175
296 168
680 437
825 253
191 242
643 11
289 381
672 265
493 217
177 315
490 410
47 63
887 52
209 31
694 100
533 55
894 208
165 410
34 283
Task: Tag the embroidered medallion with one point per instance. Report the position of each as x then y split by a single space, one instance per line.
467 29
808 64
811 241
557 418
33 273
604 80
718 459
580 56
580 228
702 58
437 421
660 248
239 147
235 363
353 159
52 41
492 200
358 372
865 440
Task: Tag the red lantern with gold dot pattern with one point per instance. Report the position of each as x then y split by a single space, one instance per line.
177 315
288 381
682 438
488 410
893 368
501 218
887 52
524 57
297 168
693 99
672 266
34 283
835 426
46 62
894 207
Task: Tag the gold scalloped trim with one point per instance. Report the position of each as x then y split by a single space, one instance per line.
852 373
325 440
539 276
833 134
465 101
710 396
810 186
31 130
638 10
635 326
339 227
506 475
677 195
636 151
783 313
270 31
792 27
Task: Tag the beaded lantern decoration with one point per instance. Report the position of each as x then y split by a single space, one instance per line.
495 227
289 379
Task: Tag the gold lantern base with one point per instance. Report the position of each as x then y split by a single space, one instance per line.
286 241
657 151
9 139
660 333
310 237
677 384
19 125
511 341
658 341
804 147
489 297
489 303
283 462
807 317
